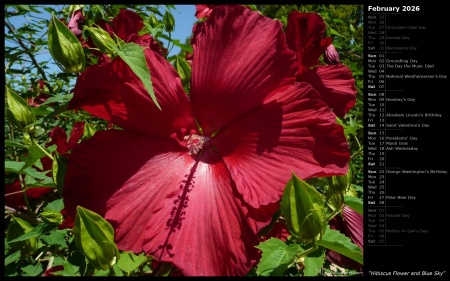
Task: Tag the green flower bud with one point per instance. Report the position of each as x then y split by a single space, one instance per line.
169 21
26 139
153 21
101 39
302 206
340 183
51 217
65 48
94 236
18 111
18 227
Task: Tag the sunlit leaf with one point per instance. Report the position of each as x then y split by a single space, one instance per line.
133 55
338 242
314 262
130 261
276 256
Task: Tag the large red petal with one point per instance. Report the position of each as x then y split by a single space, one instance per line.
127 23
113 92
335 85
59 137
240 58
75 135
206 229
292 131
304 35
159 199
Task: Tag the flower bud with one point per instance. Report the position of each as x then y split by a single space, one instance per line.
18 111
52 217
340 183
331 56
65 47
303 210
169 22
101 39
94 236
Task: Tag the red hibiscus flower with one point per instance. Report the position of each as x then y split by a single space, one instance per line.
304 35
76 22
49 272
351 224
198 197
331 56
202 11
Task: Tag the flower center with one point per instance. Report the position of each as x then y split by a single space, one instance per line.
194 143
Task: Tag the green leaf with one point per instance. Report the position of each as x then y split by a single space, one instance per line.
334 32
34 153
32 172
58 237
89 130
276 257
338 242
19 227
133 55
314 262
19 111
129 261
12 257
57 98
14 166
12 143
355 203
59 168
55 205
303 208
34 232
184 47
32 269
94 236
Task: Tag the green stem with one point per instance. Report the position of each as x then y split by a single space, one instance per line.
333 214
33 140
25 198
307 252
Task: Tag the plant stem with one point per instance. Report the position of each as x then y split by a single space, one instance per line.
307 252
33 140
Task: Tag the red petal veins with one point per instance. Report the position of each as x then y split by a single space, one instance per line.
113 92
159 199
291 131
304 35
335 85
240 58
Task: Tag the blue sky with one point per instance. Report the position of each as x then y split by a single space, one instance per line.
184 19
